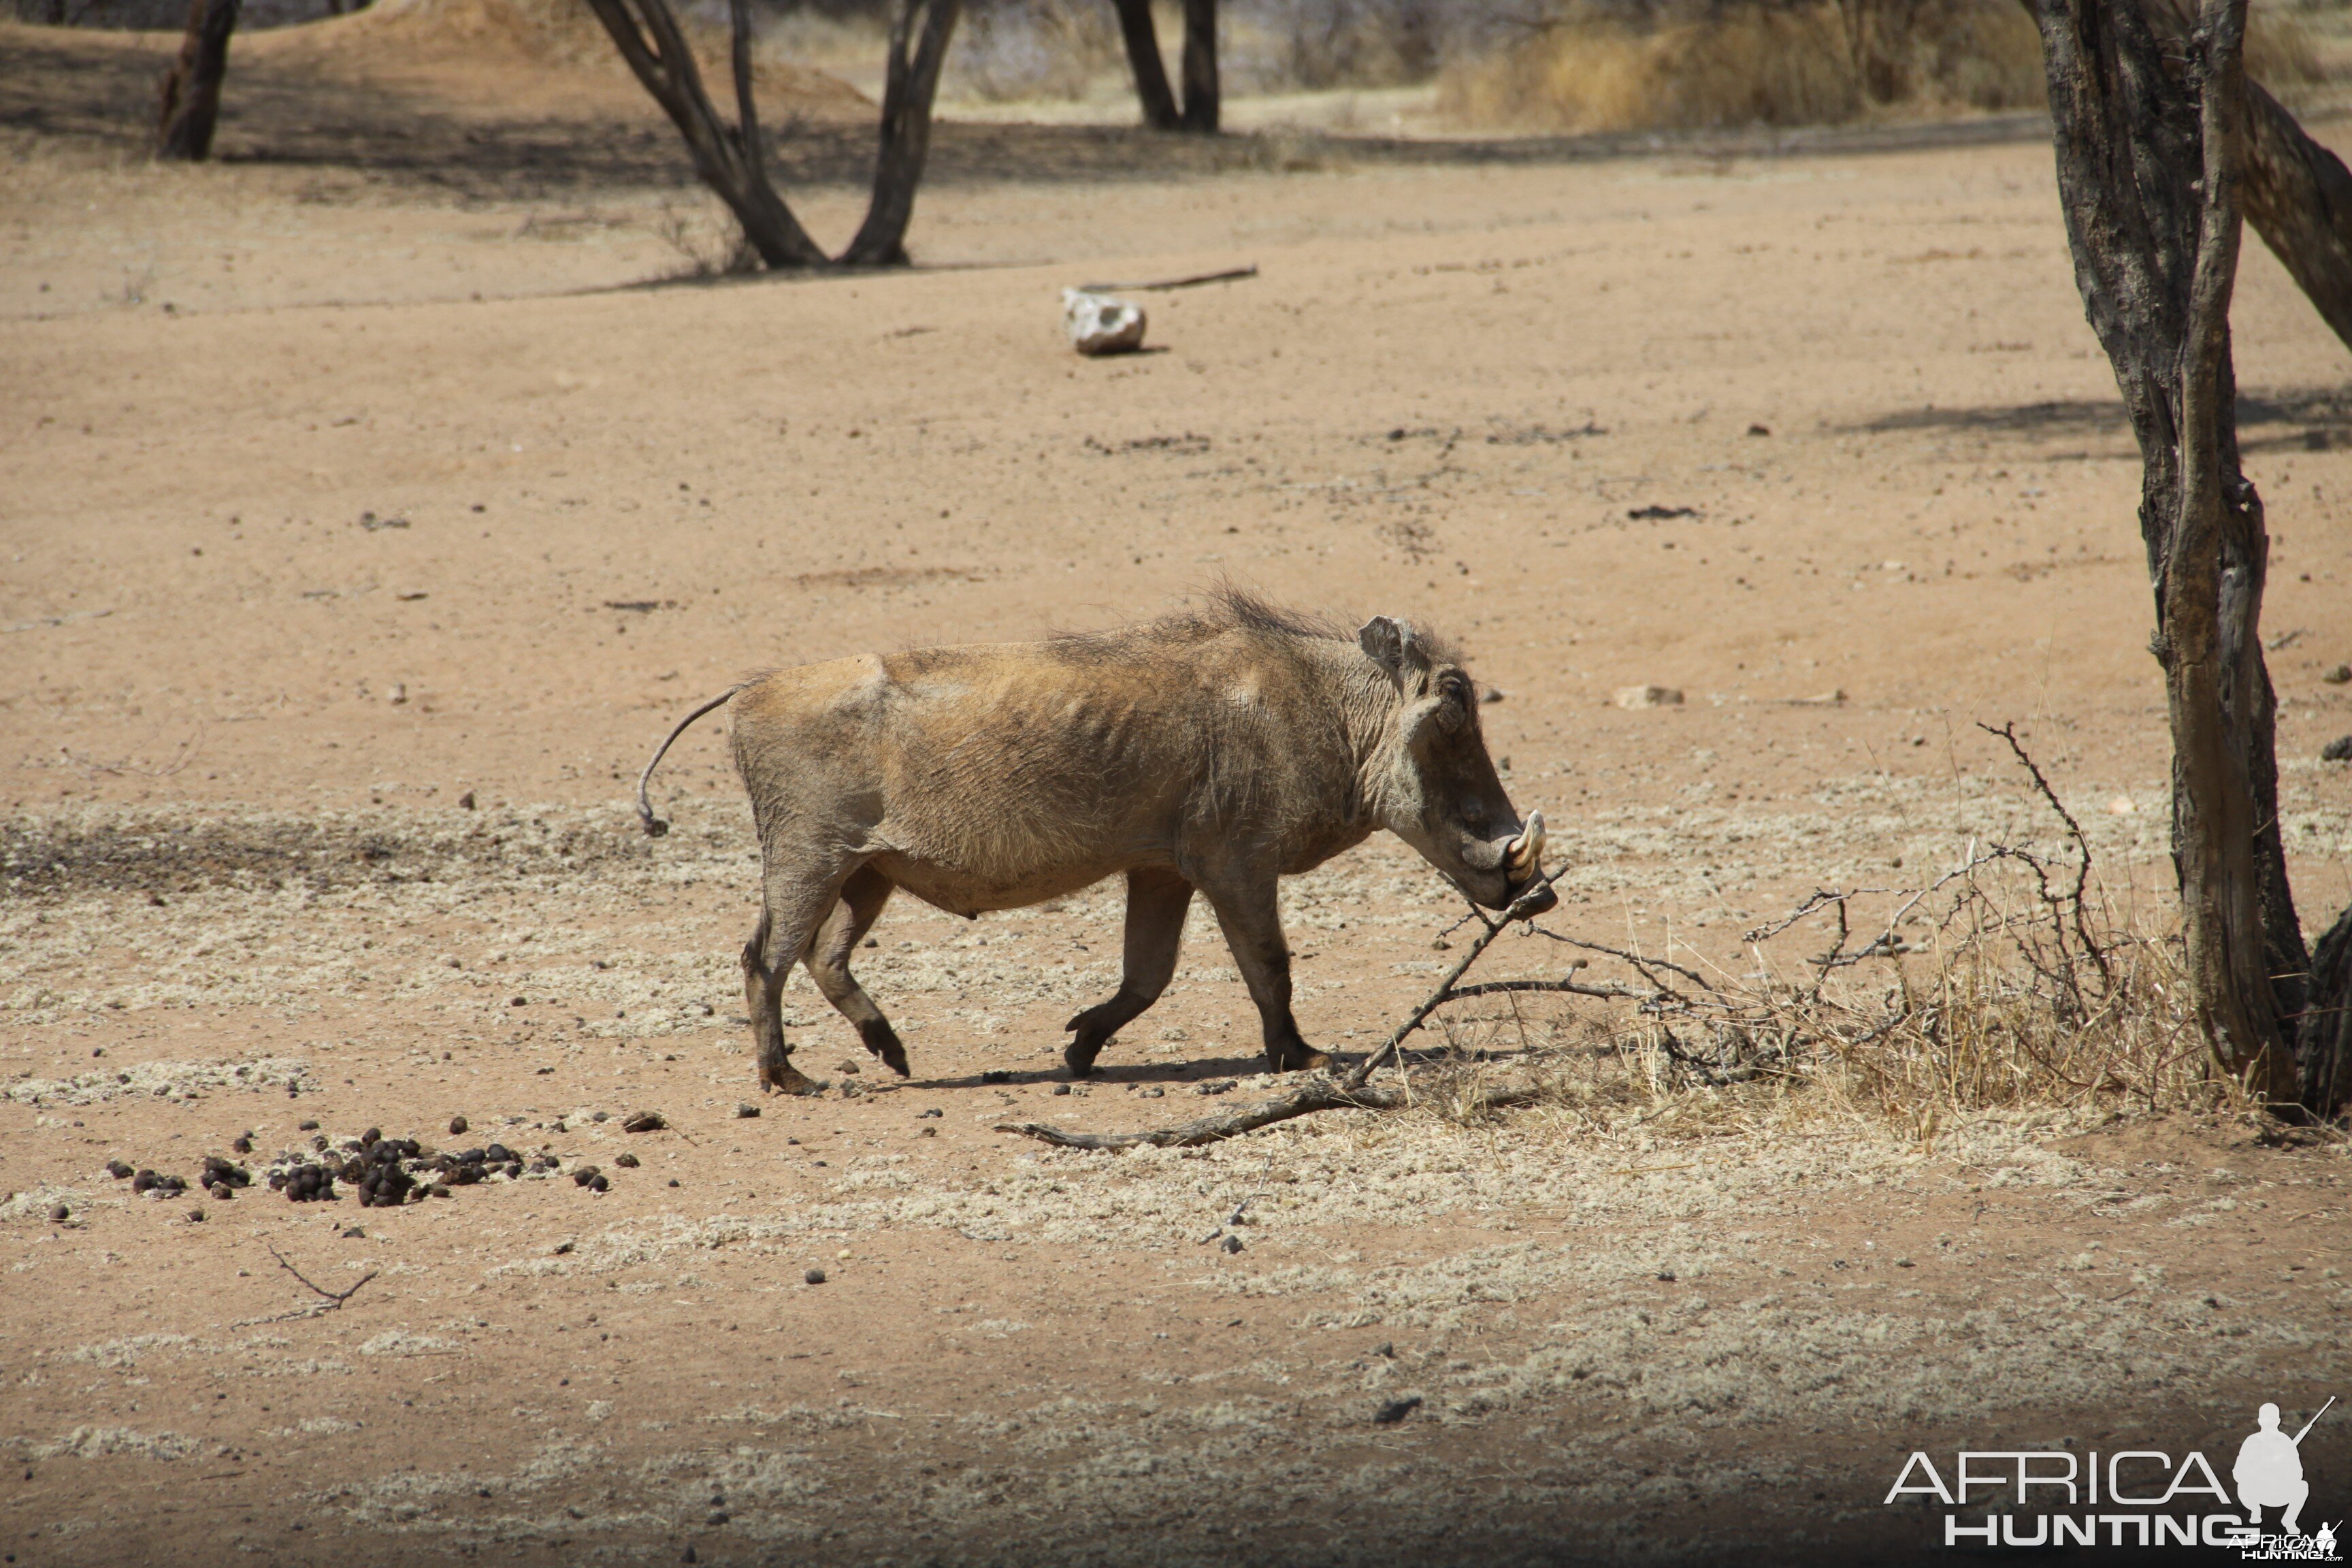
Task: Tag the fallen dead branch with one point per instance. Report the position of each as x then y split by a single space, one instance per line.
1162 285
334 1300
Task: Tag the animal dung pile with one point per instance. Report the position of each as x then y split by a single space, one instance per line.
386 1172
222 1179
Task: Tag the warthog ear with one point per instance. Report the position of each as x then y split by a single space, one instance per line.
1392 644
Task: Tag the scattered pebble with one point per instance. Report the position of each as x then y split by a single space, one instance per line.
118 1170
1393 1411
2341 676
61 1212
933 1111
626 1161
456 1126
1061 1089
2336 750
644 1121
746 1110
814 1276
1230 1244
996 1075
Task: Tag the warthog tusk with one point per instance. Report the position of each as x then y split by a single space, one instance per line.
1524 855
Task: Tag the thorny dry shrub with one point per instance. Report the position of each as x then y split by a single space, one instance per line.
2012 983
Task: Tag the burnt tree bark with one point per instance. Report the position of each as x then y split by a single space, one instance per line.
188 104
732 160
1201 107
2150 156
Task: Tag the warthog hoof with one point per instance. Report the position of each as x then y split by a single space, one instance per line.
789 1079
883 1041
1080 1058
1299 1057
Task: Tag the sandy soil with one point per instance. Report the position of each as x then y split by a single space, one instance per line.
368 512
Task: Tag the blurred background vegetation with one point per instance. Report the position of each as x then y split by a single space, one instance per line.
1441 67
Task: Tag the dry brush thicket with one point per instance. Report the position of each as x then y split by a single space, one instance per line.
1610 65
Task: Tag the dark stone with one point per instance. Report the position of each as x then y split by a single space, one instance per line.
456 1126
1230 1244
1393 1411
746 1110
61 1212
814 1276
117 1169
644 1121
2337 751
626 1161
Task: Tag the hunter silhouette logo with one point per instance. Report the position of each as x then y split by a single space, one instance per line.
2269 1471
2127 1497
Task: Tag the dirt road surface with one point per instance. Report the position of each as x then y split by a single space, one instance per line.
369 513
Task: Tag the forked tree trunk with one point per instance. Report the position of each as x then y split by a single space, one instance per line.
1151 91
731 158
2298 195
190 96
908 91
2149 162
1201 107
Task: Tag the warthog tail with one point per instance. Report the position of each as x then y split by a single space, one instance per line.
655 826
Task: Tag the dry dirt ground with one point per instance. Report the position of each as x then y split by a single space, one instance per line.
367 516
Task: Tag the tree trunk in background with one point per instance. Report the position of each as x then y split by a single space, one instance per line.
1201 105
2148 172
1151 91
906 96
191 93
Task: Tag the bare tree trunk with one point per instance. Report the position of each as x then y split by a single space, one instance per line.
2299 199
910 86
1159 104
1201 99
191 92
2148 171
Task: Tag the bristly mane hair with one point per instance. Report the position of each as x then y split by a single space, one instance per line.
1226 608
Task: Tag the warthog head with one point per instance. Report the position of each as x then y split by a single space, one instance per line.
1430 780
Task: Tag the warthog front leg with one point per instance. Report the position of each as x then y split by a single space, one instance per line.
830 951
1156 901
1252 919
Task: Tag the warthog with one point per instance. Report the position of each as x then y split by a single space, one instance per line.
1214 750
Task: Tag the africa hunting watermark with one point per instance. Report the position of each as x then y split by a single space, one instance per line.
2129 1497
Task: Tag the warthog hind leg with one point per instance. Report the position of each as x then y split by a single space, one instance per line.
832 946
1156 901
1252 920
792 910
